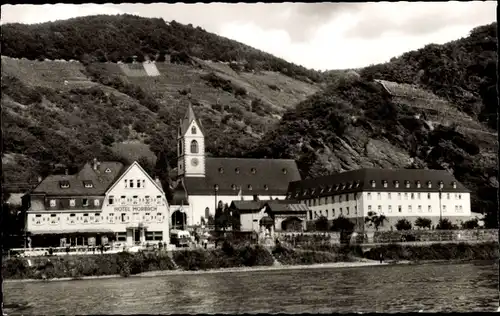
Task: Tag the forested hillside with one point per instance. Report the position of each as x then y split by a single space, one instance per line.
463 71
434 108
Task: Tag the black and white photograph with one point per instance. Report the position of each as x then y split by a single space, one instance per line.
244 158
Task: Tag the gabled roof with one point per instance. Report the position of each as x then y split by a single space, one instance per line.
186 121
361 180
275 206
254 176
135 163
180 196
101 180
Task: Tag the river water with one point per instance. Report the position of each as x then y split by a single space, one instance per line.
401 288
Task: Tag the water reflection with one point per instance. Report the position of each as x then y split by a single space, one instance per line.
429 287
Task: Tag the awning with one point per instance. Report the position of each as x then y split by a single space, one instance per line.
79 231
136 226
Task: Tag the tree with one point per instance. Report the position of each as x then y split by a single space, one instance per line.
146 164
344 226
422 222
162 170
403 224
471 224
445 224
375 220
321 224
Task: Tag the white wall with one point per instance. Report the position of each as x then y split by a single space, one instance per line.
198 203
332 207
187 167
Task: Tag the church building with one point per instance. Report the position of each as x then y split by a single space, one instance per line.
204 181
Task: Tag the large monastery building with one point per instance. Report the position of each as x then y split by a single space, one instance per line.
397 194
204 181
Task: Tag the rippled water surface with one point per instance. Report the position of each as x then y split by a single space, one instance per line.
402 288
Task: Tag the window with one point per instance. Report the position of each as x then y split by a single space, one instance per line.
448 196
138 183
88 184
456 208
409 208
406 196
340 198
54 219
159 217
399 196
194 147
347 197
97 217
111 200
460 196
418 184
135 199
96 202
454 184
123 217
158 199
72 218
407 184
341 213
253 170
379 209
64 184
126 183
143 183
52 203
369 196
193 130
131 183
249 187
413 196
72 202
355 210
429 208
418 195
429 184
444 208
121 236
38 219
111 218
400 208
428 196
373 183
123 199
389 195
369 208
284 171
107 170
420 208
266 187
384 183
460 208
396 184
379 196
347 210
390 208
147 199
310 214
85 218
85 202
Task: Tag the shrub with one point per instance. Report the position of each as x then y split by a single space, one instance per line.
470 224
423 222
445 224
321 223
403 224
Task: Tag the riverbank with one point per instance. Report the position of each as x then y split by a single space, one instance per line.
233 259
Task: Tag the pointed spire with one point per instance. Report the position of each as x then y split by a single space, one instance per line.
188 118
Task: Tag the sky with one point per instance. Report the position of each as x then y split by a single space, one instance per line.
320 36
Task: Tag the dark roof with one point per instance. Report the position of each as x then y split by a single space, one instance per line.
263 176
100 179
180 196
361 180
188 118
277 206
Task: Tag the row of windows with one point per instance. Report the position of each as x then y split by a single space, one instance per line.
417 195
316 214
356 184
148 200
129 183
95 218
64 184
72 202
350 197
252 170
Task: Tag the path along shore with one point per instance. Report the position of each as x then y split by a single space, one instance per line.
361 263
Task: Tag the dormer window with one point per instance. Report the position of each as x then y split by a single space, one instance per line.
407 184
253 170
384 183
221 170
373 183
330 188
357 184
429 184
64 184
418 184
337 187
322 190
396 184
107 170
350 186
284 171
88 184
454 184
233 187
266 187
343 186
312 191
237 170
440 184
249 187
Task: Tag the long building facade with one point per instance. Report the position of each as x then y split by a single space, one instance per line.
397 194
104 202
204 181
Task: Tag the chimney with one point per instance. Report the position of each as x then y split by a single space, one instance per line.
94 166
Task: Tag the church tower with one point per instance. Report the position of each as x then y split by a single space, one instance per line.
190 146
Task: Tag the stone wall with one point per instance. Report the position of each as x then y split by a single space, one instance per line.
436 235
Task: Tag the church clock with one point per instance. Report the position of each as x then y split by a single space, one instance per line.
194 162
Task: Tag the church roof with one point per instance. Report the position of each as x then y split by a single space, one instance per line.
180 196
384 180
275 206
100 179
254 176
188 118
